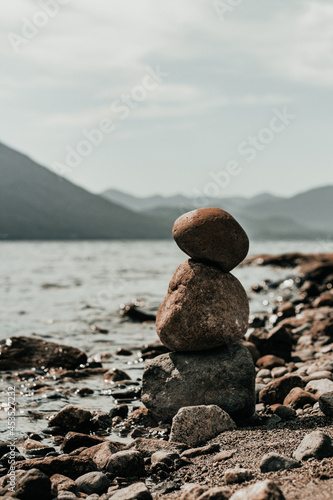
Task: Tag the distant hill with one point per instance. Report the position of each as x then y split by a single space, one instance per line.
265 216
37 204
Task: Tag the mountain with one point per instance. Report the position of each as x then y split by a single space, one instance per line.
313 208
265 216
37 204
141 204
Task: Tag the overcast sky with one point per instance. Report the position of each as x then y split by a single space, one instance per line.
193 96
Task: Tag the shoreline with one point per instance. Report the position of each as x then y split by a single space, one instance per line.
305 312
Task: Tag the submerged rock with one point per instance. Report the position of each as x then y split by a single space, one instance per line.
203 309
223 377
29 352
71 417
211 235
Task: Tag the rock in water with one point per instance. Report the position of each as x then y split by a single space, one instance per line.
204 308
223 377
211 235
29 352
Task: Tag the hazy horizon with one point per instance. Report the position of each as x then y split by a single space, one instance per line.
184 94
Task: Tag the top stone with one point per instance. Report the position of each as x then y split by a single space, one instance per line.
213 236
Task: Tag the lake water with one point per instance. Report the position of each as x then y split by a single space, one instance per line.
57 290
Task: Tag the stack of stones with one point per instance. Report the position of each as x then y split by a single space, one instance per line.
202 321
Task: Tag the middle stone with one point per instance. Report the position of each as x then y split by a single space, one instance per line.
203 309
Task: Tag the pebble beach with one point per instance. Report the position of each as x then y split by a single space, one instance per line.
281 449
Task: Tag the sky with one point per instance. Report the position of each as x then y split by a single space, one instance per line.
200 97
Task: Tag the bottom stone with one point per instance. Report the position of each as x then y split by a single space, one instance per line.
224 377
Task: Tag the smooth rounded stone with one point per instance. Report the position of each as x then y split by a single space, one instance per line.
100 454
258 388
35 448
60 482
74 440
66 495
314 445
284 412
319 387
126 463
93 482
195 425
70 417
277 342
278 389
211 235
202 450
136 491
200 492
149 446
270 361
115 375
272 462
263 373
223 377
326 403
28 485
204 308
263 490
237 475
298 398
319 375
164 457
279 371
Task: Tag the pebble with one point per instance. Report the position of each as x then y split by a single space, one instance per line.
273 462
126 463
60 482
326 403
232 476
200 492
211 235
149 446
71 417
263 490
319 387
195 425
284 412
29 484
93 482
278 389
279 371
318 375
202 450
136 491
314 445
298 398
115 375
269 361
74 440
164 457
